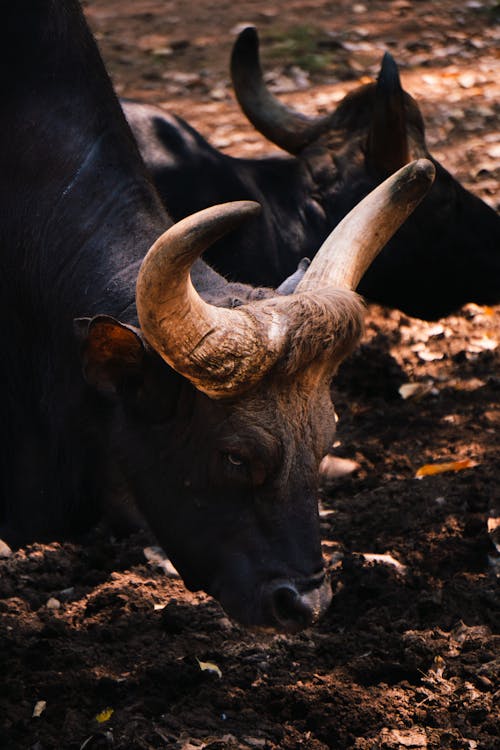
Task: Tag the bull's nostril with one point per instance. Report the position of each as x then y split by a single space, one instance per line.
290 609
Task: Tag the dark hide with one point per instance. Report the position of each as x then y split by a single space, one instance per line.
229 487
77 215
446 254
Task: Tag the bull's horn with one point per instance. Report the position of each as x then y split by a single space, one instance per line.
387 146
280 124
354 243
221 351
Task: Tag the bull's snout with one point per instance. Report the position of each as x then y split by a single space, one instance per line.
293 606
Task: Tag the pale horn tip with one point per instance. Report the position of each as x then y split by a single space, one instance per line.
425 169
415 179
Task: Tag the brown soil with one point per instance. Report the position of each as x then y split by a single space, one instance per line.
408 656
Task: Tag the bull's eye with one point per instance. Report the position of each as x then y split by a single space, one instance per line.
237 470
235 459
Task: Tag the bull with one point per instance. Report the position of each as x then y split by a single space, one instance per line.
446 254
133 370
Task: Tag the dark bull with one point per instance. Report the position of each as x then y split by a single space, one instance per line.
207 403
446 254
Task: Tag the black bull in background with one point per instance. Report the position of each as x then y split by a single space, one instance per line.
446 254
131 368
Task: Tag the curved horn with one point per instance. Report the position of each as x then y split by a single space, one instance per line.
387 147
224 352
354 243
221 351
280 124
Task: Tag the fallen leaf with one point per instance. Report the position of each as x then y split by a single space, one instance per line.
431 79
486 342
104 715
195 745
438 666
151 42
493 524
494 532
404 738
467 80
473 310
208 666
494 151
334 467
416 391
428 470
384 560
40 707
436 330
5 550
428 356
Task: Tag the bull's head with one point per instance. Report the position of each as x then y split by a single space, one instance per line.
221 416
448 253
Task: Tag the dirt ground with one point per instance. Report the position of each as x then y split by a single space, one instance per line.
101 647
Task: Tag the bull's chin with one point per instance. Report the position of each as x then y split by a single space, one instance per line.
280 605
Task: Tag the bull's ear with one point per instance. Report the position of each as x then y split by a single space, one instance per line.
387 146
289 284
112 353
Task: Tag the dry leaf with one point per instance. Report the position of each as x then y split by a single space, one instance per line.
105 715
494 532
5 550
403 738
437 329
486 342
334 467
494 151
415 391
467 80
384 560
438 666
427 356
430 469
151 42
473 310
40 707
208 666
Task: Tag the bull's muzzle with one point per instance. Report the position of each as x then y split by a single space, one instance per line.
292 606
